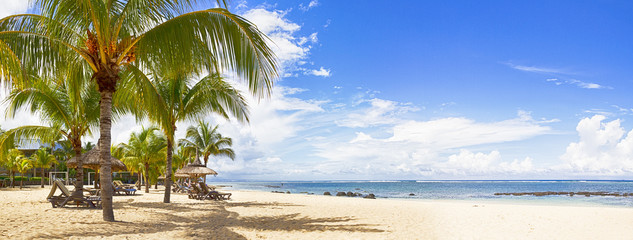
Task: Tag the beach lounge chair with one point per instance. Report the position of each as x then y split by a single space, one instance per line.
212 194
182 188
67 196
196 193
119 189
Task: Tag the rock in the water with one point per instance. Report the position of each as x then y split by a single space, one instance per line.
411 194
327 193
370 196
350 194
288 192
338 194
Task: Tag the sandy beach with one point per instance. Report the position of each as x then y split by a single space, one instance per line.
26 214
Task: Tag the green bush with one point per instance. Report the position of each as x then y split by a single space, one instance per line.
20 178
38 179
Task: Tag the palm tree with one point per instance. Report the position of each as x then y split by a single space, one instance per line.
13 159
71 109
63 152
124 35
208 141
43 160
180 98
23 165
147 148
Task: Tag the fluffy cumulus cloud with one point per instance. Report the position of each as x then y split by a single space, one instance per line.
435 148
10 7
604 148
321 72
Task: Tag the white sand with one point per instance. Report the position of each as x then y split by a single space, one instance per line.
25 214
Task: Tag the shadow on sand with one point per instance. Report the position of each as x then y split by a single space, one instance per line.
197 220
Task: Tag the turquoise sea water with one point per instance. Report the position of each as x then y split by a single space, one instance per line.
458 190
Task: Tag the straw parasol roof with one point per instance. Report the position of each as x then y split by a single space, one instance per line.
181 175
91 161
177 175
196 169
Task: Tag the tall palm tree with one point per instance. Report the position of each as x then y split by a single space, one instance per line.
115 37
71 109
146 147
181 98
208 141
23 165
42 159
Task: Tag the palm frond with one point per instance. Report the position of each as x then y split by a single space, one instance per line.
234 42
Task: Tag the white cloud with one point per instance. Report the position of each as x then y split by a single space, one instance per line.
427 149
603 148
459 132
473 162
10 7
536 69
380 112
291 49
310 5
321 72
313 37
560 80
586 85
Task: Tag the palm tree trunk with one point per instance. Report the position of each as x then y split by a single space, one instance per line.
21 179
79 181
104 146
12 178
206 159
168 170
146 175
42 178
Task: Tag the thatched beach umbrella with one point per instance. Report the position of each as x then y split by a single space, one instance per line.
181 175
91 161
196 170
177 175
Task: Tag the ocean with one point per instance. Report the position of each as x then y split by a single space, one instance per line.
458 190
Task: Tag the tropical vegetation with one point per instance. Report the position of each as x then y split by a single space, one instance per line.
70 108
116 40
206 141
147 148
44 160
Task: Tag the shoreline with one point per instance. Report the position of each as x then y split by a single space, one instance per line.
501 201
554 200
263 215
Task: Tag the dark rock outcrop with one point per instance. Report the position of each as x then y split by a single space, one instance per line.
338 194
327 194
370 196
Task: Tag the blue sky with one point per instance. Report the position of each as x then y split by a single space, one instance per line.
437 90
